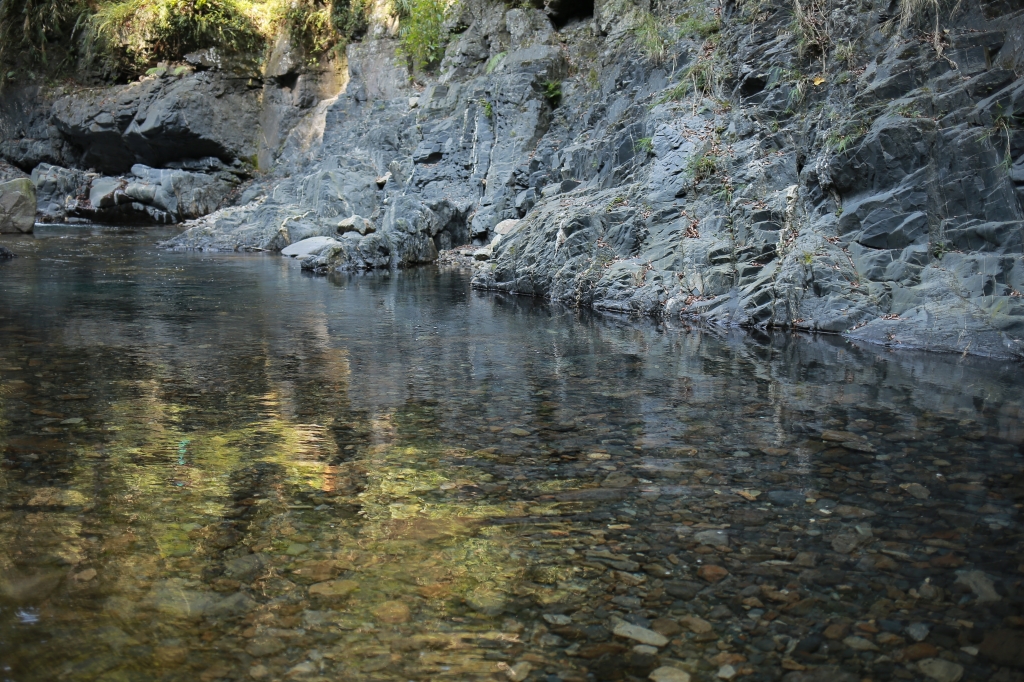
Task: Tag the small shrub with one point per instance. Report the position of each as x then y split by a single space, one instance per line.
488 109
423 35
645 145
702 167
552 92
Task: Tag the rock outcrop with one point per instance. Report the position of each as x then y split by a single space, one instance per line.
870 191
146 195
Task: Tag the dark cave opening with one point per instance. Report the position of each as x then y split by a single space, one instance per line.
562 12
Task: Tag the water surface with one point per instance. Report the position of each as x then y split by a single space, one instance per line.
217 467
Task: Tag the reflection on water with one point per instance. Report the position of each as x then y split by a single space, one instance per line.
217 467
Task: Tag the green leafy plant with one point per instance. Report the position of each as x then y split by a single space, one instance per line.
645 145
494 62
488 109
131 35
39 31
807 258
552 91
423 34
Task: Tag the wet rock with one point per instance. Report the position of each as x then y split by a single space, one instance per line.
264 645
667 674
247 567
639 634
666 627
860 644
941 670
918 631
24 589
334 589
715 538
392 612
6 254
1003 647
683 590
712 573
826 673
980 584
696 624
17 206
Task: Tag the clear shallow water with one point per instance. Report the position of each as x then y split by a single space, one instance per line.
215 466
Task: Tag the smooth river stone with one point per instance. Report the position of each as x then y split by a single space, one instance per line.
642 635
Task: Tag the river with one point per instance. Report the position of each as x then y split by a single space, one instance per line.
217 467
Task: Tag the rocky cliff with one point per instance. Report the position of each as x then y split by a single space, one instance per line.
842 167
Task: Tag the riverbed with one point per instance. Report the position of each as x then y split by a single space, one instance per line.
217 467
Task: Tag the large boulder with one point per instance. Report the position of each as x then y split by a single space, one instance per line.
161 119
17 206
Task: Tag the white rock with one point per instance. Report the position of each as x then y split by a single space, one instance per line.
726 672
667 674
646 649
917 631
860 644
642 635
519 672
307 246
715 538
557 618
980 584
941 670
505 226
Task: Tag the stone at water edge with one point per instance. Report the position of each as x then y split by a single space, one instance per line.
17 206
667 674
6 254
642 635
307 247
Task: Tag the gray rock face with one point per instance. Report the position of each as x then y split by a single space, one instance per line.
882 203
160 119
17 206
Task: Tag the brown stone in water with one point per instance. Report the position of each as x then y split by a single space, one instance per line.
666 627
1004 647
836 631
712 573
392 612
599 650
919 650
